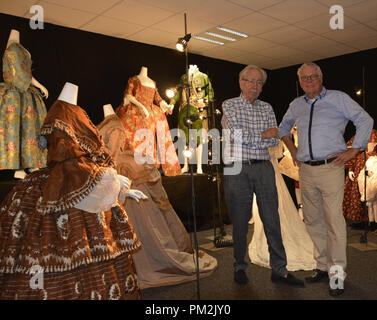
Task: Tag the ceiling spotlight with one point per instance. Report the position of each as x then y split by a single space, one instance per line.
171 92
187 153
182 42
359 92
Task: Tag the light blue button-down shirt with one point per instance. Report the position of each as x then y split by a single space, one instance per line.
331 112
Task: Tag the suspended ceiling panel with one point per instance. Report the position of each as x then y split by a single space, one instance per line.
281 32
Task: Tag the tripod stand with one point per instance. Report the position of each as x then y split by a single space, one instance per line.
218 239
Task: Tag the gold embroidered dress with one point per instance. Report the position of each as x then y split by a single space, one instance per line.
22 112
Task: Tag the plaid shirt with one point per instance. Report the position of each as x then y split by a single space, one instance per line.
238 113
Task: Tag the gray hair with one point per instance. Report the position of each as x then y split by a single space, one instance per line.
309 64
251 66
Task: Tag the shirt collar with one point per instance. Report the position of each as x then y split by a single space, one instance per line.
320 96
256 102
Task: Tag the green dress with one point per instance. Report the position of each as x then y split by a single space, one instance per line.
200 88
22 112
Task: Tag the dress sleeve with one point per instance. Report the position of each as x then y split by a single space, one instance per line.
210 94
130 88
157 97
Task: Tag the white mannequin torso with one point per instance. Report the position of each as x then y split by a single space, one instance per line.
69 93
108 110
14 36
144 79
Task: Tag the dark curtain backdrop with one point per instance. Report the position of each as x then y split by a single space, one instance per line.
101 66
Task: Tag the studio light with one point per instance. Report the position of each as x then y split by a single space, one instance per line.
182 42
187 153
171 92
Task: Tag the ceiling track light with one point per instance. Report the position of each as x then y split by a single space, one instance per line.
237 33
181 44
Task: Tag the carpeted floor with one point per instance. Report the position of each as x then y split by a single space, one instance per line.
361 282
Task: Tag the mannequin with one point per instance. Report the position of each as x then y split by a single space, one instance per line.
148 82
69 93
352 207
166 256
201 93
143 108
17 74
82 237
371 186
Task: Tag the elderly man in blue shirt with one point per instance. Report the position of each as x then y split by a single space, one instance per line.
321 117
252 129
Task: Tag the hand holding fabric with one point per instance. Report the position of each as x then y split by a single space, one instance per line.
351 175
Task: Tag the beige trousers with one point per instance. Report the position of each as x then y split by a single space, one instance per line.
322 189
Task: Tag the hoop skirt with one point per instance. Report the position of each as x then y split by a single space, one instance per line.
166 256
22 112
80 254
296 240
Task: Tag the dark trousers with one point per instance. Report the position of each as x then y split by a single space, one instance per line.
258 178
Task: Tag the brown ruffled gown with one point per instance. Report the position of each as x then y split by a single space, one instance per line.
166 256
82 255
352 207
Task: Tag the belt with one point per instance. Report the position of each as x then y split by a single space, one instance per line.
252 161
319 162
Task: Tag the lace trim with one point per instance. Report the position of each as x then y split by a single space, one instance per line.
96 153
72 198
85 261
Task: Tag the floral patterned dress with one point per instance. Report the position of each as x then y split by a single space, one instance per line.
22 112
156 142
80 255
352 206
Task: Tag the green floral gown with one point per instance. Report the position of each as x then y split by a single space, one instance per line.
22 112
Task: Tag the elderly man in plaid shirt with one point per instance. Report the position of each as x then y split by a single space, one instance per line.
252 130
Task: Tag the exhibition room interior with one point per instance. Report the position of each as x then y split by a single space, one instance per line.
99 45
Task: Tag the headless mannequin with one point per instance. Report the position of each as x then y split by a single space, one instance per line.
108 110
147 82
14 37
370 147
69 93
199 150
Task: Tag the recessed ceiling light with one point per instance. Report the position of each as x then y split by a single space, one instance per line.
209 40
220 36
233 32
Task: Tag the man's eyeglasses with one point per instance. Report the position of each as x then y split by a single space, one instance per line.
258 82
312 77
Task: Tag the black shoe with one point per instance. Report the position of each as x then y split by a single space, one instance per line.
289 280
317 275
240 277
336 292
